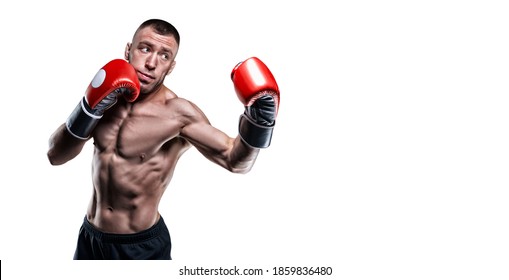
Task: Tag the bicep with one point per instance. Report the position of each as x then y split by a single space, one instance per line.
210 141
198 131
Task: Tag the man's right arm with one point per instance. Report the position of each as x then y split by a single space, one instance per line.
63 146
116 78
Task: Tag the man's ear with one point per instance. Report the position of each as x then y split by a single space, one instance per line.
171 67
127 50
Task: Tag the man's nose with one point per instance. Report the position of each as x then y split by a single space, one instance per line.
151 62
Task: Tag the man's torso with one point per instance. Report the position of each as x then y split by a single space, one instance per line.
136 150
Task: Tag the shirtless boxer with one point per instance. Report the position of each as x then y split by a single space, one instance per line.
140 128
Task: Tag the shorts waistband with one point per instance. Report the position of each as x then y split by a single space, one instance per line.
141 236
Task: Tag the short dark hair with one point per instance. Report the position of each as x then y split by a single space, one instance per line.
161 27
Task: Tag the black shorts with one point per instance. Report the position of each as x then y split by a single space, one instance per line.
150 244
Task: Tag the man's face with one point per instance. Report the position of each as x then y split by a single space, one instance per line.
153 57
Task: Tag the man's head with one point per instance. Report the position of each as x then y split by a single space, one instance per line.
152 52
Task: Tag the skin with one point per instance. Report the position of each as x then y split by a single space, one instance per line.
137 145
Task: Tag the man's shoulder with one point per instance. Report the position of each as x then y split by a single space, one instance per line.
182 104
177 101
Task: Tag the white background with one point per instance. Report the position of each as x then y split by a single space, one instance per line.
389 159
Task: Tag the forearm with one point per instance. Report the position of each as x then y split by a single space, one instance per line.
242 156
63 146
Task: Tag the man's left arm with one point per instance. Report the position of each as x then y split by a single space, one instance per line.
257 89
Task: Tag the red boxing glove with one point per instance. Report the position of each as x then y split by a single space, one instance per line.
257 89
115 75
116 78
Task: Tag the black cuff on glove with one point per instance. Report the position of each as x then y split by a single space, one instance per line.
253 134
82 122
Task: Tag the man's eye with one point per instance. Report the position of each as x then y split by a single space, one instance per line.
165 56
144 50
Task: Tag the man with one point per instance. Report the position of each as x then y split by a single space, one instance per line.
140 128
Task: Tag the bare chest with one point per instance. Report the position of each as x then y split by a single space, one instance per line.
136 132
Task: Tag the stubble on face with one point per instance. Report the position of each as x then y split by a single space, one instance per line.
151 73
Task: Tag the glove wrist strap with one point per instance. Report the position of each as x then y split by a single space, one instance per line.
253 134
81 122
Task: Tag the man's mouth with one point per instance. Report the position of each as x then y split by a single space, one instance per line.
143 77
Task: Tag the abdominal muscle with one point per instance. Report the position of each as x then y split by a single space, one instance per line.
126 195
